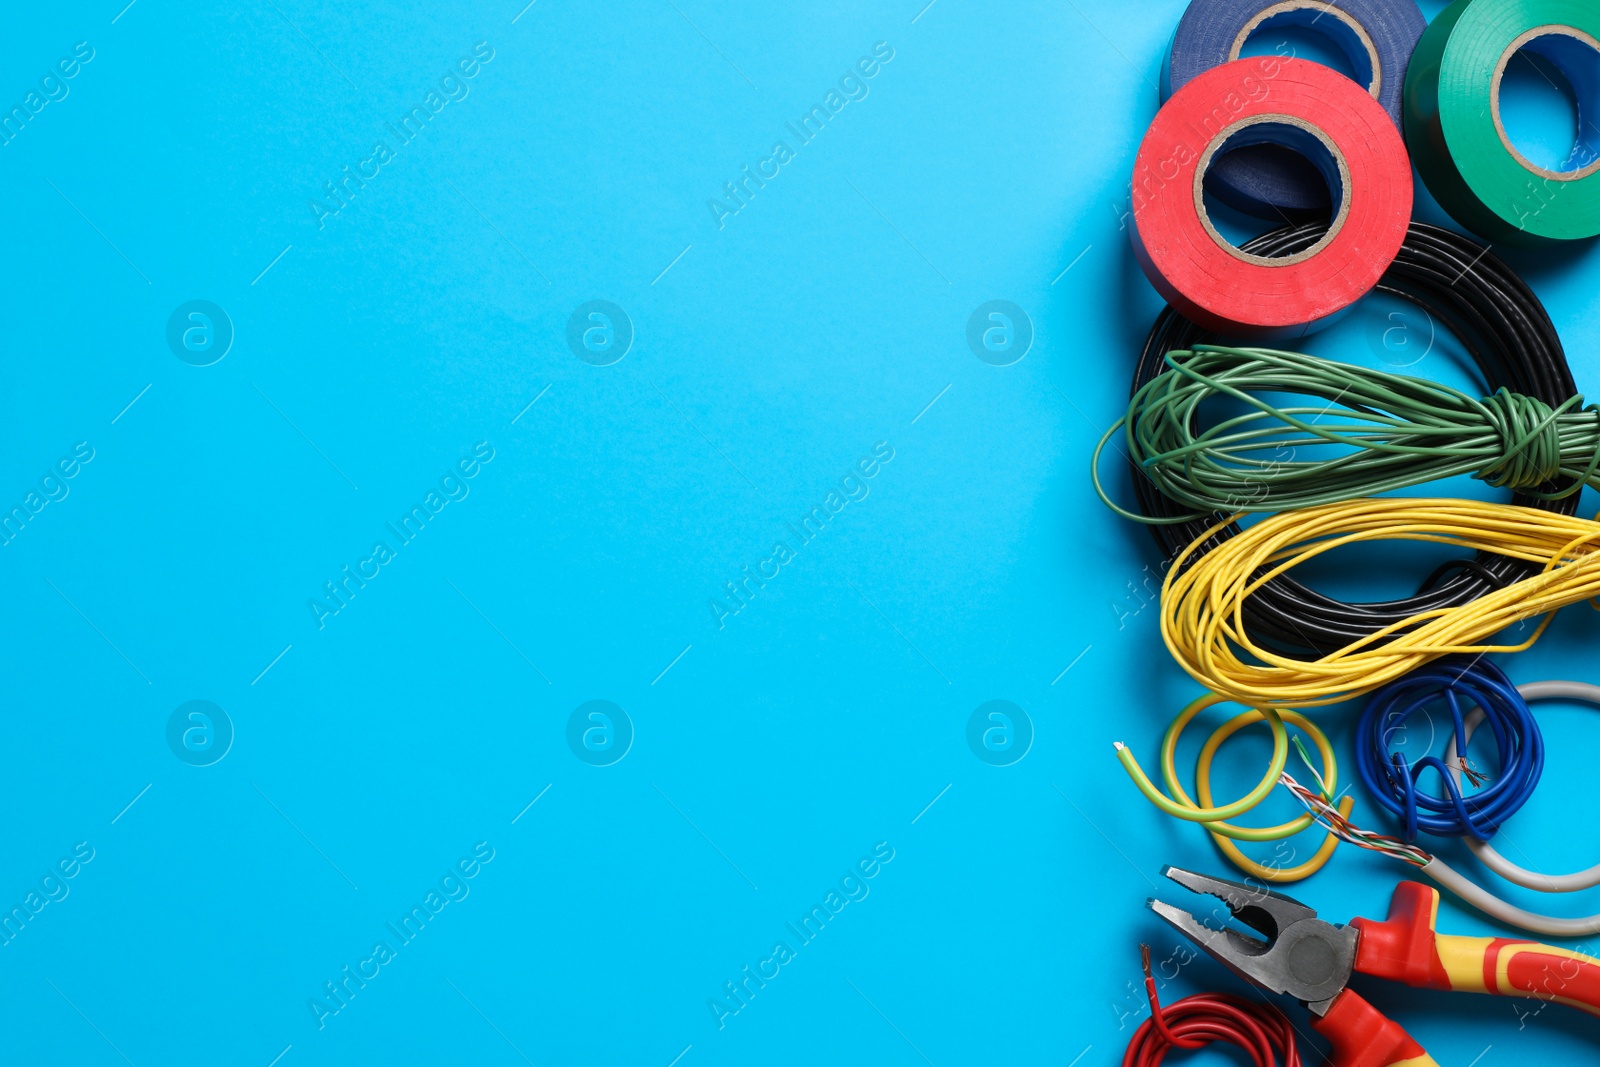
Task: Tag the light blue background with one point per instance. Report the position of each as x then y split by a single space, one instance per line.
991 154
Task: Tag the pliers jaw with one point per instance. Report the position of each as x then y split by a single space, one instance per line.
1298 954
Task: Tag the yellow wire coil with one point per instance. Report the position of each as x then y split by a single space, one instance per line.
1214 818
1202 598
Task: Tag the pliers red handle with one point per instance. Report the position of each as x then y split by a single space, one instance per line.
1312 960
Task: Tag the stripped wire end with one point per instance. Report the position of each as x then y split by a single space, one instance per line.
1328 816
1158 1016
1472 774
1305 757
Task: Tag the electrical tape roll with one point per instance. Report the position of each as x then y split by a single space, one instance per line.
1295 104
1377 37
1453 126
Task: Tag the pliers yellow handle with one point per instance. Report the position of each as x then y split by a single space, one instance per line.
1312 960
1406 947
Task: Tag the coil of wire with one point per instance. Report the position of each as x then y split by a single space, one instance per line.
1502 325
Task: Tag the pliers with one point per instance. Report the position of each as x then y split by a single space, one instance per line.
1312 960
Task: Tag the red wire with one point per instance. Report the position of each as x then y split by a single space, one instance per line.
1261 1030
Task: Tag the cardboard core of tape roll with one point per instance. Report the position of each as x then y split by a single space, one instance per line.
1569 50
1285 131
1309 13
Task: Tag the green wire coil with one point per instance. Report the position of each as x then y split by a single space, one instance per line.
1377 432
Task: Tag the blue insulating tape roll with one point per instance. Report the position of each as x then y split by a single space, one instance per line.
1377 36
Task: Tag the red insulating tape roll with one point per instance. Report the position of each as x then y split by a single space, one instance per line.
1289 102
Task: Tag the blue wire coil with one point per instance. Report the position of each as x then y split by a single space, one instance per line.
1460 685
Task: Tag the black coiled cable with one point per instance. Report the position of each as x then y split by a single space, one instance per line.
1503 327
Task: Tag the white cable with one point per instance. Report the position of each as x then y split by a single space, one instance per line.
1479 897
1544 883
1462 886
1505 911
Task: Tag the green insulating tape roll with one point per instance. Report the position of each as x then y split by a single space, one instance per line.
1453 128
